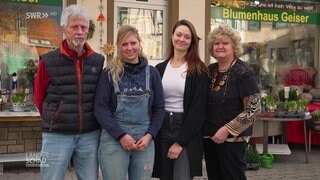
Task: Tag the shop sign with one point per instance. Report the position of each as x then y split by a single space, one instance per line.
37 2
282 12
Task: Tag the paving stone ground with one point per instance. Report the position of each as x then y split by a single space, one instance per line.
285 167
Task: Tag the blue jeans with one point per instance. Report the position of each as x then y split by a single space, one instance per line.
57 150
116 163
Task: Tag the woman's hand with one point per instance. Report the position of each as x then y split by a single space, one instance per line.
174 151
143 143
128 143
221 135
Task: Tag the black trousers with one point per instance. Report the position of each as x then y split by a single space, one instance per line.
225 161
178 169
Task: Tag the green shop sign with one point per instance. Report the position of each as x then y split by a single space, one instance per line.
283 12
37 2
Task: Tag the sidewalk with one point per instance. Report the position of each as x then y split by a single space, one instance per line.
287 167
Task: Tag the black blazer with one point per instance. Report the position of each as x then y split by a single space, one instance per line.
194 105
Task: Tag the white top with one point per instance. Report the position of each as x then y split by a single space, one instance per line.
173 82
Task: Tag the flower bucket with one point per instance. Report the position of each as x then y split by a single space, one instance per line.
18 107
267 160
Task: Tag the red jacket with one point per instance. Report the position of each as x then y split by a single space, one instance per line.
42 79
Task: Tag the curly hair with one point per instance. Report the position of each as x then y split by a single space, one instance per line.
225 30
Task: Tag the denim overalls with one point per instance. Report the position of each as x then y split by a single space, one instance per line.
133 117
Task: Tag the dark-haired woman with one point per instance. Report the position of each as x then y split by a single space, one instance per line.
184 79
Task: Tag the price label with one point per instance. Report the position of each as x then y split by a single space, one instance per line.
286 92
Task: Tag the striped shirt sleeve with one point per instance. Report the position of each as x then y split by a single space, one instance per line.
246 118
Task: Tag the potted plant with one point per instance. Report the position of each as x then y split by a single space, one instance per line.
302 105
315 121
19 101
252 158
271 105
291 106
315 115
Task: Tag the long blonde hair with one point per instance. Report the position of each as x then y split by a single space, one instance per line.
116 66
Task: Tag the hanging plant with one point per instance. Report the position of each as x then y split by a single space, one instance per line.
92 28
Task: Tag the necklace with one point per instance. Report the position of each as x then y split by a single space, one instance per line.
222 81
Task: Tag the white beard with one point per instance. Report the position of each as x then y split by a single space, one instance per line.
78 42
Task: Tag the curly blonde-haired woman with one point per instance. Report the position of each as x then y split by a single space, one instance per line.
233 104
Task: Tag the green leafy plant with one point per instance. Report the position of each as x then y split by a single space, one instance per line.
315 114
19 97
291 106
270 103
302 105
30 71
281 106
252 155
293 95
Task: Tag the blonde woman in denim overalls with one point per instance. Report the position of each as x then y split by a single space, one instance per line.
129 105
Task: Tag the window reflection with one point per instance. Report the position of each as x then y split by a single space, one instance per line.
150 26
24 35
274 50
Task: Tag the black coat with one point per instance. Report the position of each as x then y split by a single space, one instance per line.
194 105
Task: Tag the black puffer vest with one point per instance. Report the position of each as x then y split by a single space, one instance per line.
68 105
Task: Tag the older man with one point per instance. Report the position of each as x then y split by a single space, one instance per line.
64 94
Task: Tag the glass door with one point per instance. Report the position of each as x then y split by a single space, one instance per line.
150 20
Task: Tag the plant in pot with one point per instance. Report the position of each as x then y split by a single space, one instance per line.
315 121
252 157
315 115
271 105
291 106
18 101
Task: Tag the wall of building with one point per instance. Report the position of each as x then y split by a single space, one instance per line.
199 17
194 11
93 8
18 137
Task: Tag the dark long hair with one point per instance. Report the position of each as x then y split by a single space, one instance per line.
195 65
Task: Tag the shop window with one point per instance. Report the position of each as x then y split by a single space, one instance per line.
277 25
149 23
254 25
273 52
280 38
27 30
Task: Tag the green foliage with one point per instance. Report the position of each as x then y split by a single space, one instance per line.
281 95
293 95
302 105
30 71
315 114
18 98
252 155
270 100
281 106
291 106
